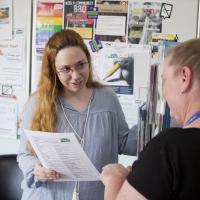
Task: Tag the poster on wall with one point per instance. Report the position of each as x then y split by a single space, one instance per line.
121 66
12 60
13 71
117 68
144 19
111 24
8 116
48 20
76 17
6 17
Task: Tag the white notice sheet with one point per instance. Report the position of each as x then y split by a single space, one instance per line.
62 153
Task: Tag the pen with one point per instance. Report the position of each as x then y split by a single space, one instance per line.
112 70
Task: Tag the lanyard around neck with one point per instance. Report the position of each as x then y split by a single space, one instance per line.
82 140
193 118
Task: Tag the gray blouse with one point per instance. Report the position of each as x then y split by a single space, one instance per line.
107 135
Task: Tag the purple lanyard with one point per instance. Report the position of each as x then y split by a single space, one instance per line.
193 118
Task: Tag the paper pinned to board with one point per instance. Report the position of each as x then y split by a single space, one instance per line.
6 19
63 153
8 116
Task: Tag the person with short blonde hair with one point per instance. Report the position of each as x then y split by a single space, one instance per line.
169 166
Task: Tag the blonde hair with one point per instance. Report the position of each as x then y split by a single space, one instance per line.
186 54
45 114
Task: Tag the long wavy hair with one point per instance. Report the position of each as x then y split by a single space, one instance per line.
49 87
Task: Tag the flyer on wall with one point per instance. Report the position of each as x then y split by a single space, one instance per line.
121 66
48 20
12 59
144 19
111 24
6 22
76 17
8 116
117 68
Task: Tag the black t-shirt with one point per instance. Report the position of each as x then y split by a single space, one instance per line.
169 166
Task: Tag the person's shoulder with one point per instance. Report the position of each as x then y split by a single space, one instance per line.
170 132
28 110
31 100
106 90
105 99
174 136
161 141
166 136
106 93
176 133
30 104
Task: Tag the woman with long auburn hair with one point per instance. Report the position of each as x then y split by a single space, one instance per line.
69 100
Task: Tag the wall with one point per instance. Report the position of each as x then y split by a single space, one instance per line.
184 19
8 146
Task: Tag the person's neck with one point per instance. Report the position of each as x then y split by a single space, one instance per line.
76 95
79 100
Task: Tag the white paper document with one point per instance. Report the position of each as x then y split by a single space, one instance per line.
6 19
8 116
63 153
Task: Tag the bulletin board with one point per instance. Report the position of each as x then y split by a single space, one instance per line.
118 34
15 42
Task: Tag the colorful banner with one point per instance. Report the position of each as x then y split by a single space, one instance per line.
48 20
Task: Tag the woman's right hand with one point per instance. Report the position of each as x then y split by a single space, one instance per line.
43 174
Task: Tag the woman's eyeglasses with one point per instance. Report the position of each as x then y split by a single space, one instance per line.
68 69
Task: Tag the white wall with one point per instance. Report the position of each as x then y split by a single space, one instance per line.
8 146
184 19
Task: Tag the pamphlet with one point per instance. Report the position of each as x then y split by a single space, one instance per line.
63 153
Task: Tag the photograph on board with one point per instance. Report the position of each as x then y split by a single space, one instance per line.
144 19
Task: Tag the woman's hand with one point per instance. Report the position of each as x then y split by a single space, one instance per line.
113 177
114 174
43 174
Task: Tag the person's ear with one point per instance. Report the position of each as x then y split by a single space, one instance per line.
186 79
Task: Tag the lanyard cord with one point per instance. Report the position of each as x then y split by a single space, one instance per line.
82 140
86 120
193 118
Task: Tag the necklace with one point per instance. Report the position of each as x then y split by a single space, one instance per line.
81 139
193 118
